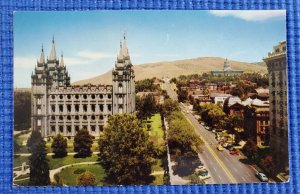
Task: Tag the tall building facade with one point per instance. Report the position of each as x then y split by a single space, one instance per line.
276 63
59 107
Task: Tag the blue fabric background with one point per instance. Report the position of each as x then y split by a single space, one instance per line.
6 89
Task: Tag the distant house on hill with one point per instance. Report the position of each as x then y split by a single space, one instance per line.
227 71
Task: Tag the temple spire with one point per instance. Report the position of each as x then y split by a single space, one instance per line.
42 58
124 46
62 60
53 51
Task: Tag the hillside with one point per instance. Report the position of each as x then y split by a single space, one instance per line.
176 68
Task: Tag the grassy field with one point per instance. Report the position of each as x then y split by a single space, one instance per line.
68 177
156 126
158 180
21 140
22 183
157 166
23 176
70 147
18 160
58 162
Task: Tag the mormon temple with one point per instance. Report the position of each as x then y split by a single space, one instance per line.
59 107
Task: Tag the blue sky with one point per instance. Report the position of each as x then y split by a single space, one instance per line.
90 40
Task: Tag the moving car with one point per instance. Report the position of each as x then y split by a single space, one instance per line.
220 148
262 177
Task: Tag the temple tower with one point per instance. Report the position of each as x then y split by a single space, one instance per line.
123 82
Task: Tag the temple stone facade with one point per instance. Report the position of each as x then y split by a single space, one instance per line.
276 62
59 107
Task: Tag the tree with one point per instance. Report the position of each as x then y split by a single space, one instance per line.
146 106
250 150
170 106
182 95
22 110
195 179
39 168
126 153
205 91
17 147
86 179
32 140
59 146
82 143
268 164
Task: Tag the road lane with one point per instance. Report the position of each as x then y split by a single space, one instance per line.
223 167
239 170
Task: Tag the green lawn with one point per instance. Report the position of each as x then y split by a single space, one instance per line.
157 166
22 183
21 140
18 160
70 147
159 180
156 126
68 177
58 162
23 176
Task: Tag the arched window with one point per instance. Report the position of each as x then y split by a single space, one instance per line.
120 87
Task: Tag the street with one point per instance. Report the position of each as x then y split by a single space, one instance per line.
222 167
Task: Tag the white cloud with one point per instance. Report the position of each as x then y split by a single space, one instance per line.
25 62
94 55
251 15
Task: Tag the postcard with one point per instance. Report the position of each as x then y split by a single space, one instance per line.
105 98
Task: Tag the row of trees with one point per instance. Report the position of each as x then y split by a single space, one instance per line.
261 80
146 85
82 144
38 162
184 143
262 157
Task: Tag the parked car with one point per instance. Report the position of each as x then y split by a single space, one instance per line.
262 177
202 123
231 147
207 127
220 148
204 176
234 152
201 169
225 145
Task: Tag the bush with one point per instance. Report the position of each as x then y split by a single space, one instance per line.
86 179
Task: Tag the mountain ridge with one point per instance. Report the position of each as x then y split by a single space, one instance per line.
178 67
